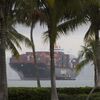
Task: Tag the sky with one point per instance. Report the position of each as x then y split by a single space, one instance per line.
70 43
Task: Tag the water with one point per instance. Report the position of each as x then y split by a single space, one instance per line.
85 78
61 83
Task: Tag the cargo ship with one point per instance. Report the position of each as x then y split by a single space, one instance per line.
27 70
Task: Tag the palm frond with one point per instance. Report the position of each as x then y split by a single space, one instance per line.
45 37
86 55
89 34
19 37
81 65
10 46
71 24
11 37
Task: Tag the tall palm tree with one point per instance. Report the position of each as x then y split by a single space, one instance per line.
90 13
9 38
34 55
50 11
29 18
33 20
88 55
3 78
55 19
94 18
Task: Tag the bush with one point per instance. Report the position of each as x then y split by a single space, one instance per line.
44 93
82 90
29 94
79 97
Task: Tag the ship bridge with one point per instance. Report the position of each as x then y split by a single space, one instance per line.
57 48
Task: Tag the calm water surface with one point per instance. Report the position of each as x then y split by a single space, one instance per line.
59 83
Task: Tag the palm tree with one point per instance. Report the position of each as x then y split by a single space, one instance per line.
94 18
55 19
88 55
49 10
9 39
33 20
89 13
34 55
3 79
29 18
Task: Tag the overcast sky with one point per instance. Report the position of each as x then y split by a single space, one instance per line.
70 43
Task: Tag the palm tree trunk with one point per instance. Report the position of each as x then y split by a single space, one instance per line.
88 97
34 55
54 95
95 77
98 57
3 78
95 82
95 72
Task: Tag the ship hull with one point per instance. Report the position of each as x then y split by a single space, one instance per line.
27 71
